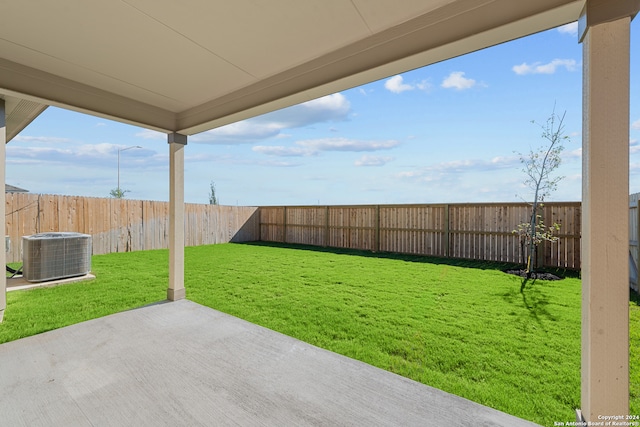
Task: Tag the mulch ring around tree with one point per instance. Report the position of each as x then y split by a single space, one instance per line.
535 275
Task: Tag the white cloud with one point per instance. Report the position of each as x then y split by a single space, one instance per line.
368 160
548 68
81 155
328 108
279 164
424 85
336 105
281 151
523 68
457 80
409 174
571 29
502 161
41 139
311 147
64 153
636 125
396 85
151 134
246 131
15 152
439 171
102 149
345 144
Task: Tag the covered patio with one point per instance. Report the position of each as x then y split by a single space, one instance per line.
185 364
184 68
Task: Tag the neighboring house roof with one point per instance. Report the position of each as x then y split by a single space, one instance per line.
13 189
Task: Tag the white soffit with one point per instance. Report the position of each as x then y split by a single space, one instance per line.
19 113
193 65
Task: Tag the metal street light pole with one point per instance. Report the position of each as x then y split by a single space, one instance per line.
119 150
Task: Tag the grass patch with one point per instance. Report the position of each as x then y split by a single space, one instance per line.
634 354
123 282
463 327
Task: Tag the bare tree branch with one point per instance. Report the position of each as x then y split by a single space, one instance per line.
539 166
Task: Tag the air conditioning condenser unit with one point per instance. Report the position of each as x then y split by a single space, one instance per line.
51 256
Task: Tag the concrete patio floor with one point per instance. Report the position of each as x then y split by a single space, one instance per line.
183 364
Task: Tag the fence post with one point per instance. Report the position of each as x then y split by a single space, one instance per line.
284 224
38 218
376 246
326 226
447 230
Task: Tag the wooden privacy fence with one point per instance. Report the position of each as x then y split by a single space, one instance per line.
472 231
122 225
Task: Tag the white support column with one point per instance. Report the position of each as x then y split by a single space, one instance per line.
604 28
3 254
176 289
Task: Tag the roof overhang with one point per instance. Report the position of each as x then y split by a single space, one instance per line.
183 68
19 113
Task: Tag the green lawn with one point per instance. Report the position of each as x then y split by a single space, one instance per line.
634 354
463 327
123 281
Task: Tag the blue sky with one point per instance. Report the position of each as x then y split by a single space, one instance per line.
446 133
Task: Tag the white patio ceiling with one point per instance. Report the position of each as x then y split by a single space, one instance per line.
193 65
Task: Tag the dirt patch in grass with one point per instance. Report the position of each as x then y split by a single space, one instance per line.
535 275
